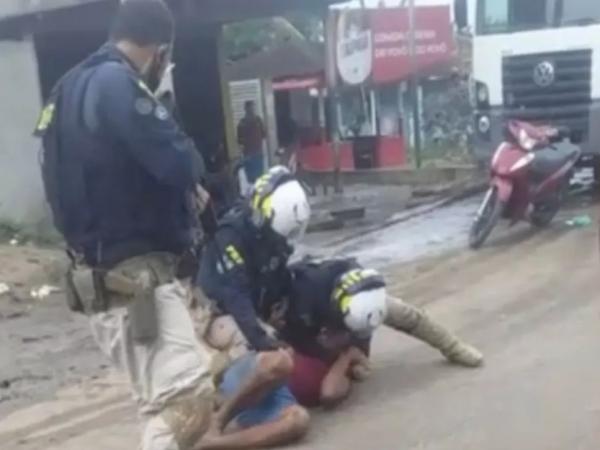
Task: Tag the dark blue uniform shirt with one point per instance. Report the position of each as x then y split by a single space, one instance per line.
311 310
244 271
126 170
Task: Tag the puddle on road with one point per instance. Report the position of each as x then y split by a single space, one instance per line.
432 233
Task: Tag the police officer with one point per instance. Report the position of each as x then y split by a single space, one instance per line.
339 295
333 308
245 263
123 181
246 260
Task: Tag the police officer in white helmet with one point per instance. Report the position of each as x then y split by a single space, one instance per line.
332 310
248 253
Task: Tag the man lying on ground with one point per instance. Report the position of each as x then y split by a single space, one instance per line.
333 308
257 409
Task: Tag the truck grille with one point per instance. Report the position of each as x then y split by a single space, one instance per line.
564 100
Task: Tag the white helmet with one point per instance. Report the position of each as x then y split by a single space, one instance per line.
279 202
361 297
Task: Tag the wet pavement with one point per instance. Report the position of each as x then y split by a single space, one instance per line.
431 233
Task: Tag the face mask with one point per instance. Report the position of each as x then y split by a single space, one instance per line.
155 68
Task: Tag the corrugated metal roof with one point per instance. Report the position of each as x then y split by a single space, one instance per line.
292 58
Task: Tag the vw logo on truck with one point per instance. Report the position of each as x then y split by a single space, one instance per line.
544 74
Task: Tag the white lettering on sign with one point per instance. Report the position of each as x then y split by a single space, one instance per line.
403 51
392 37
401 36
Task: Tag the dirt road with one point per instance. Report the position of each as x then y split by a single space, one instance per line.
530 301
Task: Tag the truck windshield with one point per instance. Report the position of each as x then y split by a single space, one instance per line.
506 16
577 12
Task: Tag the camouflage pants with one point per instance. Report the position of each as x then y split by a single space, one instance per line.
170 371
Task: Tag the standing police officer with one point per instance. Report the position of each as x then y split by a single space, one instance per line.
123 183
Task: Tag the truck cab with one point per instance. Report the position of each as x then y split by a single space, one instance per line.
538 61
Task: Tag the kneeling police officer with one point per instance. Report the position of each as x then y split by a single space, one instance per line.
243 269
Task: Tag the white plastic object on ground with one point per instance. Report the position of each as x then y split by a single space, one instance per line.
4 288
43 291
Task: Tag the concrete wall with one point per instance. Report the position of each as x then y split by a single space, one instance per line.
21 193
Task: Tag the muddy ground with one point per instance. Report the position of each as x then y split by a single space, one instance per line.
530 300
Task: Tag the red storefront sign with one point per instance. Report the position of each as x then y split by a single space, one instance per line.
390 37
434 39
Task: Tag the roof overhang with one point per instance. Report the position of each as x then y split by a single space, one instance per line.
17 16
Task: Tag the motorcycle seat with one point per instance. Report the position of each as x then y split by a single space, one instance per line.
549 160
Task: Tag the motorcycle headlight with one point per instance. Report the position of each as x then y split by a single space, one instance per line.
526 142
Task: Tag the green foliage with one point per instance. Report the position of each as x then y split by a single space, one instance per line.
245 38
309 25
42 234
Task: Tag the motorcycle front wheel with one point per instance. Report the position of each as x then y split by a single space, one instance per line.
487 218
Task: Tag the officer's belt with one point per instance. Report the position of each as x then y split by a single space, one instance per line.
106 255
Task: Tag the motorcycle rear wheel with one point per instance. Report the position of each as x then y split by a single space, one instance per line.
490 213
544 213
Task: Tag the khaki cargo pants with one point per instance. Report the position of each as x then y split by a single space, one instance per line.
169 372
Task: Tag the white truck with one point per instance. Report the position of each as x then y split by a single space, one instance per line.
537 60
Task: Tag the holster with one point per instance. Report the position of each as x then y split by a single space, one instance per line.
130 284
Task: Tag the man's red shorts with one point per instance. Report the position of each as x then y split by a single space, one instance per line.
306 379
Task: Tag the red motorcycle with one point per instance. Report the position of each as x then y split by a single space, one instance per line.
530 173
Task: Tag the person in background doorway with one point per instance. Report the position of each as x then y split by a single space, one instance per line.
251 135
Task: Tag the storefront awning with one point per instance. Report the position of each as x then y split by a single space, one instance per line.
298 83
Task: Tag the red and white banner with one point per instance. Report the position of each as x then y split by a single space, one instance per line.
389 39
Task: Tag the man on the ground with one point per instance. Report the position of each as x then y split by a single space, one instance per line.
258 409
